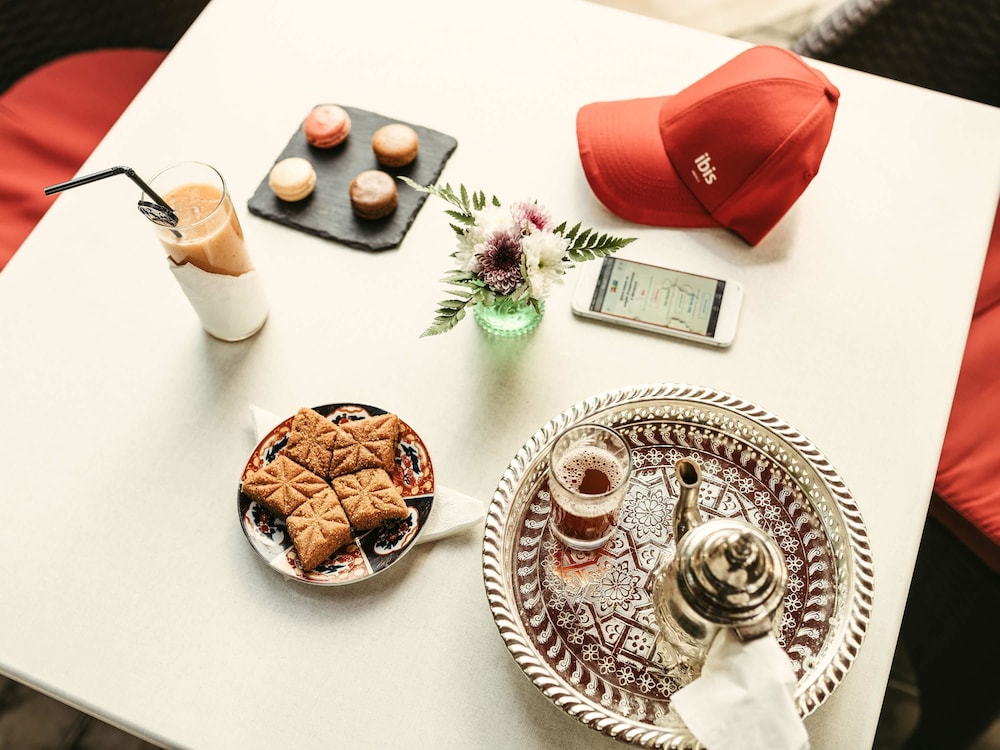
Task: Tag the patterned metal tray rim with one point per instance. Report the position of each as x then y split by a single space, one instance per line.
820 681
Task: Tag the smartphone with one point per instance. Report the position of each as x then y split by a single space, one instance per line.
658 299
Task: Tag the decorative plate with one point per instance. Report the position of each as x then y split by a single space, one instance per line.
581 624
370 552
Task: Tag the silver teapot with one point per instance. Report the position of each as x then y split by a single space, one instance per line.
724 573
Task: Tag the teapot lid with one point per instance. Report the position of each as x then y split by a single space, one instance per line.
732 574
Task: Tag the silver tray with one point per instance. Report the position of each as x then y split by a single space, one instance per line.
580 624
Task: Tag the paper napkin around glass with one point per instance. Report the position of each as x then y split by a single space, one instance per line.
229 307
744 698
451 512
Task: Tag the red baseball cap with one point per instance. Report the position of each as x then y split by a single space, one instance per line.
734 149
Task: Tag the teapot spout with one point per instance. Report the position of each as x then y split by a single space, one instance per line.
686 513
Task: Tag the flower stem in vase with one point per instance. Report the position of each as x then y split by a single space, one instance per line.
508 318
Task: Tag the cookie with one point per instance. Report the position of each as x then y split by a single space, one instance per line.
369 498
292 179
310 441
326 126
395 145
282 485
364 444
373 195
318 528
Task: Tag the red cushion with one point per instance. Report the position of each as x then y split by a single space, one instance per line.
51 120
967 487
989 285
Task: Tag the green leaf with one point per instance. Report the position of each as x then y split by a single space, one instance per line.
462 217
444 322
599 247
461 279
448 313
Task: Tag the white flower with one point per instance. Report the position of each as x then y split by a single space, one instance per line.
465 256
493 219
543 261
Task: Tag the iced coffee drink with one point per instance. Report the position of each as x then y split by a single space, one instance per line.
208 234
207 251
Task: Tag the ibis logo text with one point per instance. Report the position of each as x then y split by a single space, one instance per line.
706 168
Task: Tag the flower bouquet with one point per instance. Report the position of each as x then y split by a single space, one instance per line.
508 257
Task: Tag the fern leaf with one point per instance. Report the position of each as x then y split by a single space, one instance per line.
445 321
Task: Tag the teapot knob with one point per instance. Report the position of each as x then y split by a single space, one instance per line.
732 574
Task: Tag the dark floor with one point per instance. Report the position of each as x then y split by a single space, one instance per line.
32 721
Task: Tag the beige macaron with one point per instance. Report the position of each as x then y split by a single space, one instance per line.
395 145
292 179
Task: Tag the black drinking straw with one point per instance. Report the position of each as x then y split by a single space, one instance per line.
161 212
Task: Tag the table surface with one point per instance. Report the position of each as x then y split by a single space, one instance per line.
128 588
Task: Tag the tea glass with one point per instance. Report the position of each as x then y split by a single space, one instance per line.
589 470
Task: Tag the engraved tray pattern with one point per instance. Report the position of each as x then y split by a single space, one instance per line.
581 625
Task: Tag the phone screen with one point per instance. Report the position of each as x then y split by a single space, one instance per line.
660 296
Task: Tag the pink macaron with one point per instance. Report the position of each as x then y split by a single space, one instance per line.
326 126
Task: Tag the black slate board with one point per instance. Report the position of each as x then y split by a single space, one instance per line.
327 212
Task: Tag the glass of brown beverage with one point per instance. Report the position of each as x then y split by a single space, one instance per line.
207 251
589 471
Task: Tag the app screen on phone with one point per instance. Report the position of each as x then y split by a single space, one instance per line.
661 296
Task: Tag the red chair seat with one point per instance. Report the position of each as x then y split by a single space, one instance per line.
50 122
967 487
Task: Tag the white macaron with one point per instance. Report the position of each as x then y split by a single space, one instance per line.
292 179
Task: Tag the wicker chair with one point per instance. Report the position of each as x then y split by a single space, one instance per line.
946 45
34 33
952 46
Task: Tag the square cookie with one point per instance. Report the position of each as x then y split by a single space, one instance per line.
282 485
310 441
365 444
318 528
370 498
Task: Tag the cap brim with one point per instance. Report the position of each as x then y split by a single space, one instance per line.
628 169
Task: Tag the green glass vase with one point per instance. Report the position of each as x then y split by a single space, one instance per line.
508 318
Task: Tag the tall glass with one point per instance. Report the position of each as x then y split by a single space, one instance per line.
207 252
589 471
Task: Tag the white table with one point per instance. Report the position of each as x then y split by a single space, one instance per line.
128 589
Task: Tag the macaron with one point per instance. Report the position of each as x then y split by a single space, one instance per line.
326 126
373 195
292 179
395 145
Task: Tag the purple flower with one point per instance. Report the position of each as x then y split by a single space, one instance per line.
500 261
